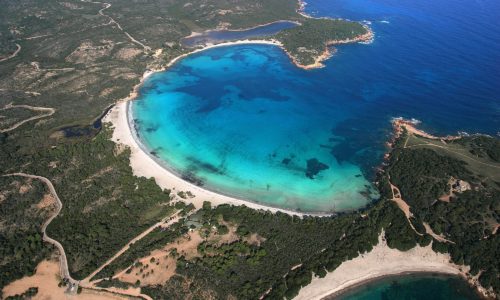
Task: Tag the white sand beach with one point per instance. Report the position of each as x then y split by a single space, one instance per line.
144 165
380 262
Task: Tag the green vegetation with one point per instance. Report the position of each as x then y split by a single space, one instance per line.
75 60
309 40
162 20
478 152
12 116
421 186
422 170
316 244
20 235
298 248
114 283
154 240
482 146
100 198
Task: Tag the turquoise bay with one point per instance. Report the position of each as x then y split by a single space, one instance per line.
243 121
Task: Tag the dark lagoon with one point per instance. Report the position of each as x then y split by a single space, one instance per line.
219 36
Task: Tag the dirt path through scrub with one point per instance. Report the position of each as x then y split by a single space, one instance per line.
46 112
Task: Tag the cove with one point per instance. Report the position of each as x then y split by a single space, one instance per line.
411 286
219 36
265 138
244 121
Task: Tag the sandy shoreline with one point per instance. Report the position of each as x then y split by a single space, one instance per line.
194 33
143 164
381 262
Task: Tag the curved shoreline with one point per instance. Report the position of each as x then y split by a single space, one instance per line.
418 259
381 262
165 178
144 164
378 279
198 34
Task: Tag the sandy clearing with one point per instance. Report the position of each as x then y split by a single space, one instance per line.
46 201
170 219
163 267
157 272
47 278
396 197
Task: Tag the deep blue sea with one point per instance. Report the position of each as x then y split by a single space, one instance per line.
244 121
413 287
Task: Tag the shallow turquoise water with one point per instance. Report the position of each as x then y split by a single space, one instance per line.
210 117
413 287
244 121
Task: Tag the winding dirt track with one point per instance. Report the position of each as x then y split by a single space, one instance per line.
13 54
62 258
48 111
131 38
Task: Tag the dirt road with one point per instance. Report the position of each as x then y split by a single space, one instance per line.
62 258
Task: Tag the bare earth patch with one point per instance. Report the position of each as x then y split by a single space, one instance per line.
254 239
46 279
25 188
128 54
160 266
47 201
438 237
88 52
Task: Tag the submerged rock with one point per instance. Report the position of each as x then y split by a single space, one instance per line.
314 166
